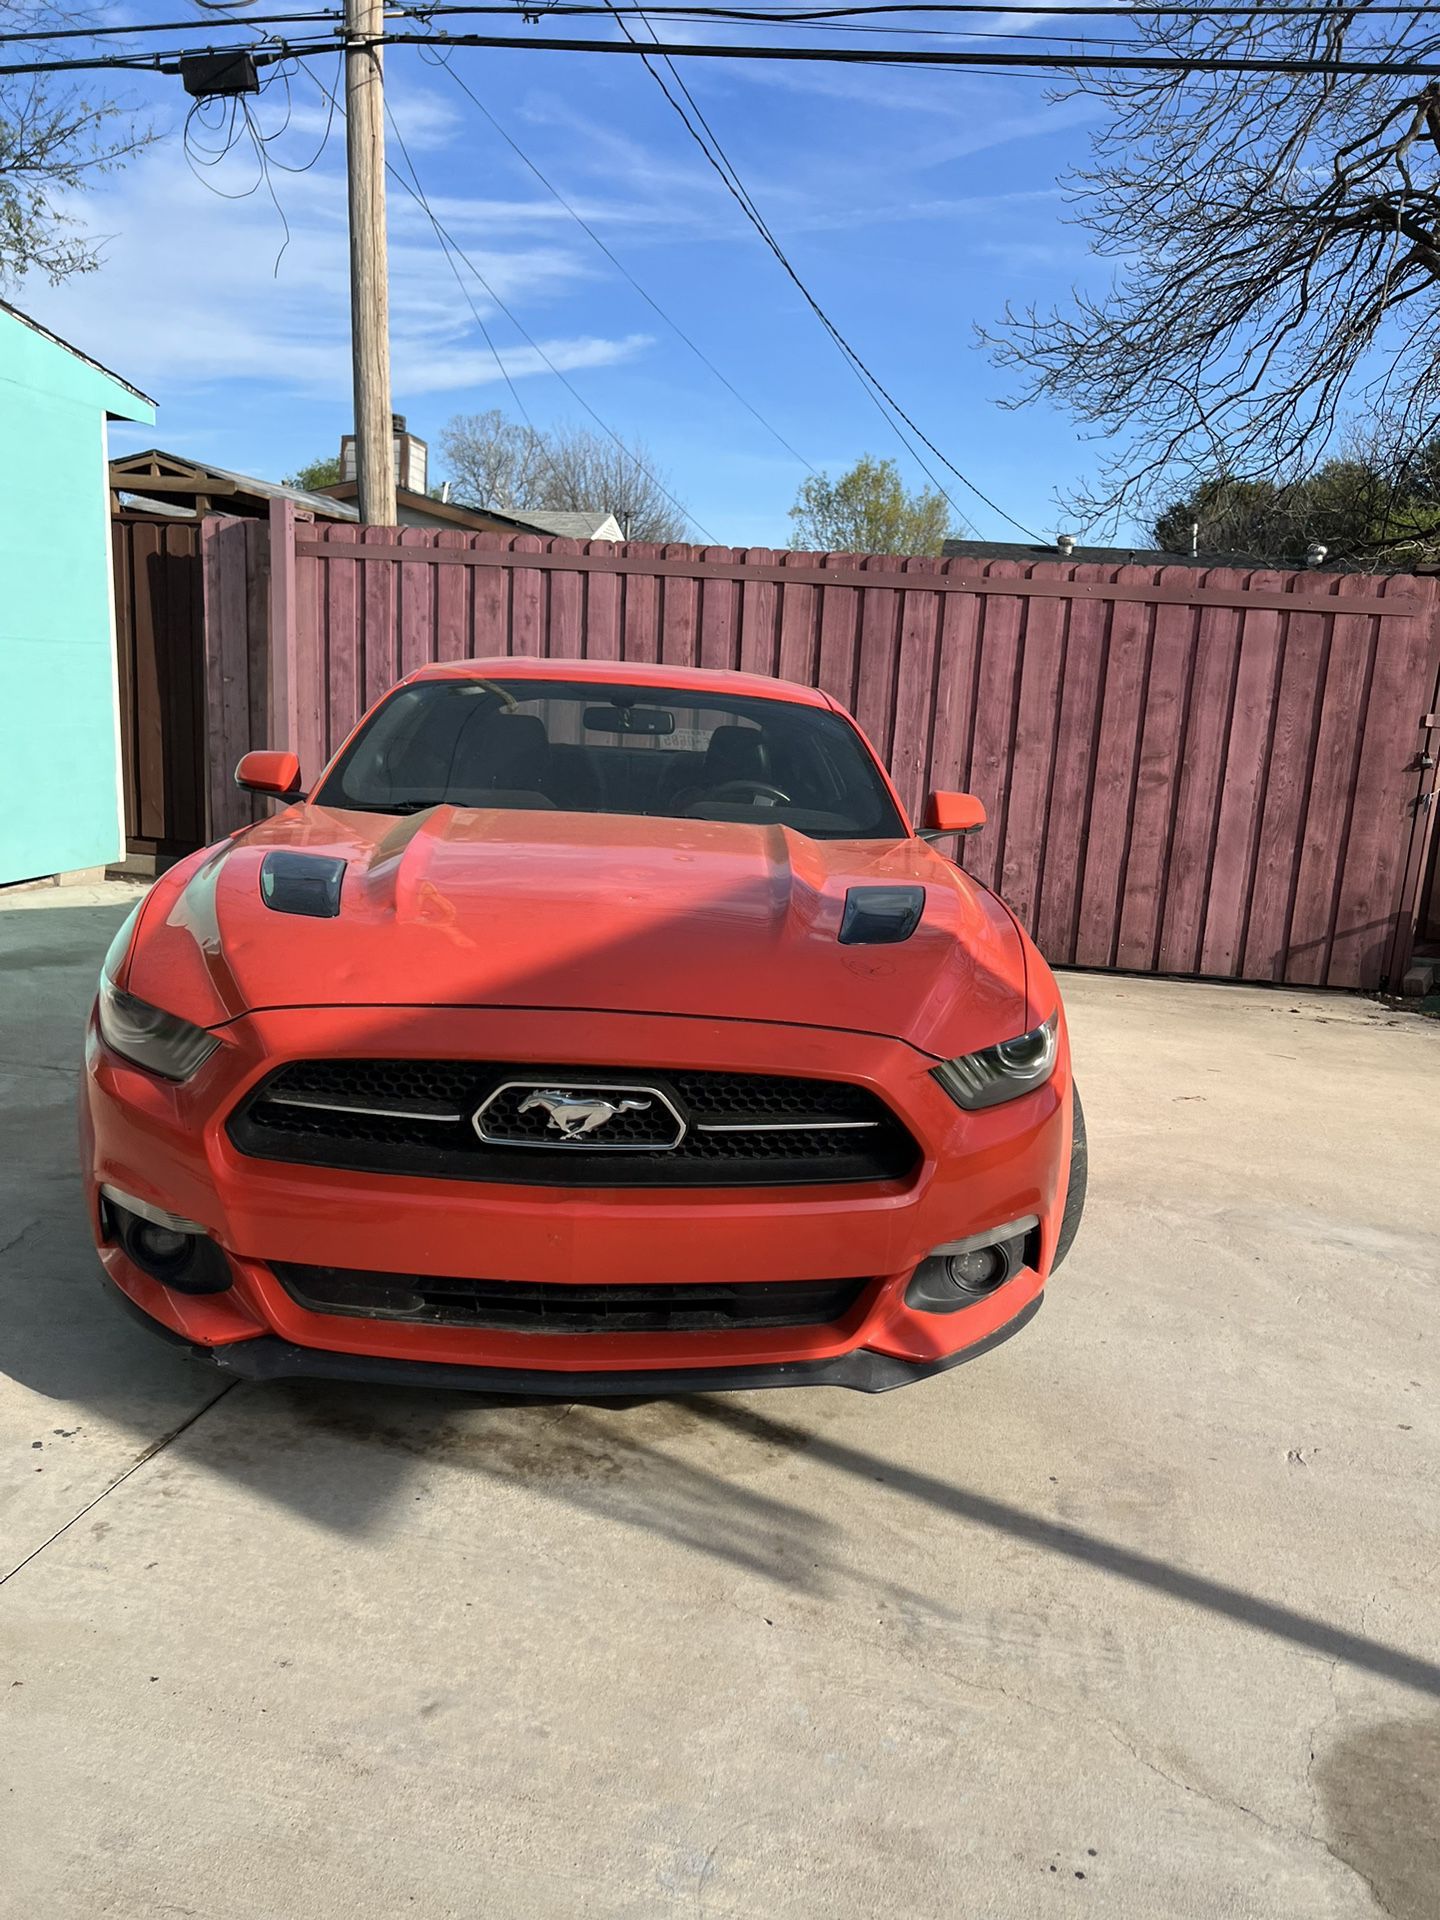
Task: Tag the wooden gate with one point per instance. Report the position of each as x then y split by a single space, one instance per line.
1204 773
160 663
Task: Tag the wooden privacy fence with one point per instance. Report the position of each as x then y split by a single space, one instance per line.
1195 772
160 667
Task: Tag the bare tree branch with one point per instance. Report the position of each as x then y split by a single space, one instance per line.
52 135
1269 231
500 463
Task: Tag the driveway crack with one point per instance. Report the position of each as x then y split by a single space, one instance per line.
155 1446
8 1246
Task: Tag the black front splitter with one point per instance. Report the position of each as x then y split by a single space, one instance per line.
268 1358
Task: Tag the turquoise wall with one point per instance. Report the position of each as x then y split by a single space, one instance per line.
59 786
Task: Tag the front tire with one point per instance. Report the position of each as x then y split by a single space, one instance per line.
1079 1179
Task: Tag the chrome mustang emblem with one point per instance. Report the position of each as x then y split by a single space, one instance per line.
574 1115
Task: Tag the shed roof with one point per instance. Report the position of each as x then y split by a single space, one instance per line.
589 523
171 476
75 353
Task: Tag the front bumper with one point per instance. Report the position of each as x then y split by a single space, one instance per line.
168 1145
860 1370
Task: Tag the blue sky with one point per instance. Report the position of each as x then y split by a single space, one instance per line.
913 203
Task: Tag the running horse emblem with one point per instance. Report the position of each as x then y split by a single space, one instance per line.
574 1115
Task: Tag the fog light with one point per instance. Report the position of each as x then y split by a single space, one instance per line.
169 1248
160 1246
977 1271
963 1271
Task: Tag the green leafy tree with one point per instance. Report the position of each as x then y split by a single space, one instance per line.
317 473
867 510
1226 516
1367 511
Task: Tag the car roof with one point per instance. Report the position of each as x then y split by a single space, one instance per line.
625 673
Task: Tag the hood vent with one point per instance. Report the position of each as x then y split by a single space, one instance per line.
880 916
307 883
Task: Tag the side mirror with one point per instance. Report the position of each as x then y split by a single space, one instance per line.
276 775
953 813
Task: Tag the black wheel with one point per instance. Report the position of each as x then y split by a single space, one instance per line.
1075 1197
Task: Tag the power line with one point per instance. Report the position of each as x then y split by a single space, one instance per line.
448 241
620 267
178 26
449 247
264 52
779 15
780 12
924 57
417 193
917 58
715 153
720 161
776 15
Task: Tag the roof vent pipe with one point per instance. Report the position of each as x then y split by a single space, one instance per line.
1065 542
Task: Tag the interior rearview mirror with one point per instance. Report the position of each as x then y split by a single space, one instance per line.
954 813
652 721
275 774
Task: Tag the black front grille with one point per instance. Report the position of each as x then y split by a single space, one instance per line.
418 1117
526 1307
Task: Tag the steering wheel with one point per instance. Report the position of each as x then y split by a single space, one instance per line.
741 789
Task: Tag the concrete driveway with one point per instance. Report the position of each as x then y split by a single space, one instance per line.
1140 1616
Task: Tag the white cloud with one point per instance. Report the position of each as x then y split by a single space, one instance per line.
803 186
196 289
419 372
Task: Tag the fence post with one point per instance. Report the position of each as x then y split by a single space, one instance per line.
214 794
1420 886
281 695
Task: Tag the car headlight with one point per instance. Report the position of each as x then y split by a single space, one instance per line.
994 1074
160 1042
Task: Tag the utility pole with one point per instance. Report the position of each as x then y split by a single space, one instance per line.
369 287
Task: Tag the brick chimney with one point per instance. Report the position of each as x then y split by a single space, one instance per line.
410 456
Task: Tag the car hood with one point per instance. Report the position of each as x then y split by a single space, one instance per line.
501 908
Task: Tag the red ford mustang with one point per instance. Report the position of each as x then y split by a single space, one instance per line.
589 1029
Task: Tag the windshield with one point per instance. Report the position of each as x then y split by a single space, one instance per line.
587 747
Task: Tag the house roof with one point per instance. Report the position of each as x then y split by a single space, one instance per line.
1093 556
590 524
476 518
169 476
55 340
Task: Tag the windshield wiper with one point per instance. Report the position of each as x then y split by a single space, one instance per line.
392 806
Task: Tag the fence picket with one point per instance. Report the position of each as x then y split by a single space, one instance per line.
1066 827
1032 753
1242 791
1172 653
